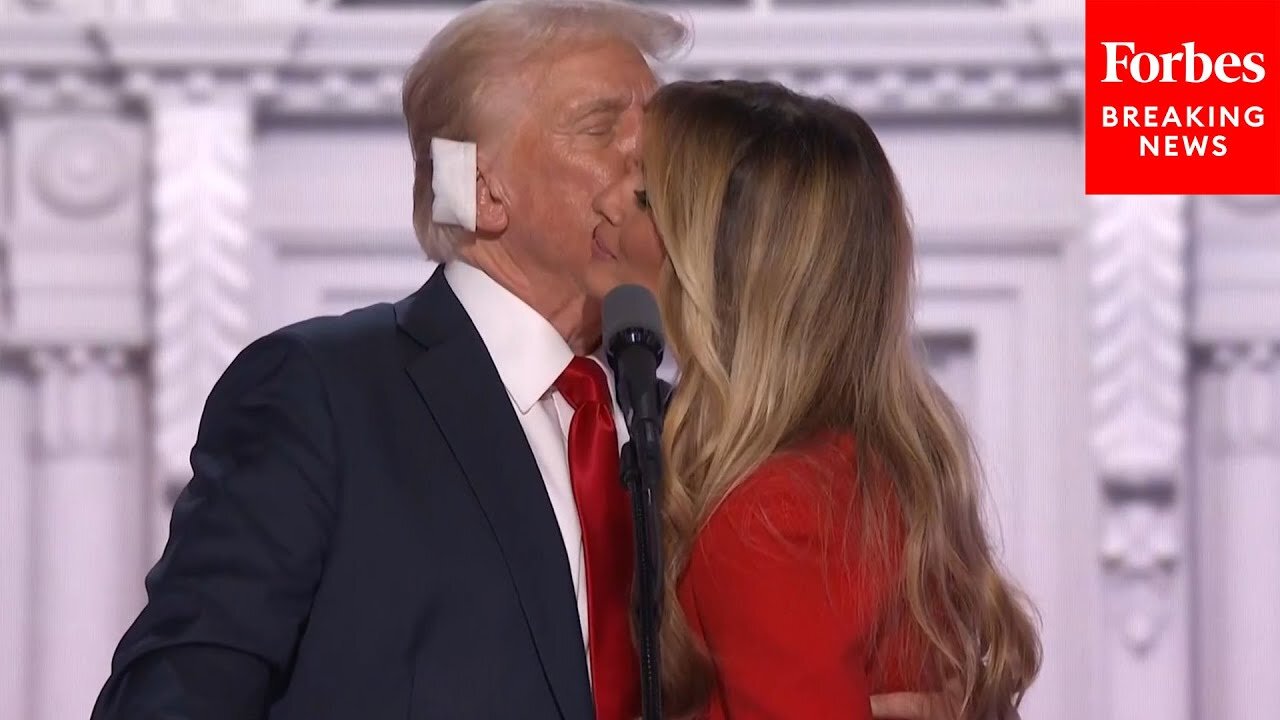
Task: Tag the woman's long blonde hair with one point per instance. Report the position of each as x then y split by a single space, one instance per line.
787 302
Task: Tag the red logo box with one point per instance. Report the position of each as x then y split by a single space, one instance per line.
1182 97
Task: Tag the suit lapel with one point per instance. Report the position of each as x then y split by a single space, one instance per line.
464 393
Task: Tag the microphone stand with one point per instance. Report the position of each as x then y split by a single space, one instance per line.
641 466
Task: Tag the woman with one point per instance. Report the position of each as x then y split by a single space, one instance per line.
822 518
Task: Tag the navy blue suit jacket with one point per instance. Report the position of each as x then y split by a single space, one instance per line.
366 535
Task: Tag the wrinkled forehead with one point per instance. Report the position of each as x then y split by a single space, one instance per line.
602 75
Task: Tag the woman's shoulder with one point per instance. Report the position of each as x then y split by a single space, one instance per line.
792 529
796 496
803 477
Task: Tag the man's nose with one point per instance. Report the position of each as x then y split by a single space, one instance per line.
607 204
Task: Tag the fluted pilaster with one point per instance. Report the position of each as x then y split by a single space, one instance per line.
1237 426
1240 523
75 330
88 528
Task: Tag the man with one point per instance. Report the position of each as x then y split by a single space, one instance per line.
381 521
395 513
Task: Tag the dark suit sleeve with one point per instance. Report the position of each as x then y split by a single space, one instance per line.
228 598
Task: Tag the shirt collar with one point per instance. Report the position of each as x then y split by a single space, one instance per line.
527 351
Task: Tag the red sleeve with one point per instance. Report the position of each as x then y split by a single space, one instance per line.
785 626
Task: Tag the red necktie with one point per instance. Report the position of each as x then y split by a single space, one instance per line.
604 511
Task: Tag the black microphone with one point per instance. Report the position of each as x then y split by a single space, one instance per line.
634 343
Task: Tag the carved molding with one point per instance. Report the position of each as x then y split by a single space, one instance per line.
82 170
1139 400
1139 280
924 61
51 89
1141 551
73 257
1237 299
1251 204
1250 400
201 9
166 9
78 400
1006 91
200 262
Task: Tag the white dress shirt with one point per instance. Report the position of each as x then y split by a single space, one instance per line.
529 355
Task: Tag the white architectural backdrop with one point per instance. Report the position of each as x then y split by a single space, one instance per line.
180 176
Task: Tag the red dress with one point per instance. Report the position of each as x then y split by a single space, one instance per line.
799 624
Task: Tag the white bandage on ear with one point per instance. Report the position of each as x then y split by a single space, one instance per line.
453 183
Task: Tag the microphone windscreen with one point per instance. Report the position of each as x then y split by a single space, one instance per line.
628 307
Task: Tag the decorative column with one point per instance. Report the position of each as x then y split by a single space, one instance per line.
1237 326
1241 568
200 79
200 274
88 529
77 321
80 288
1138 247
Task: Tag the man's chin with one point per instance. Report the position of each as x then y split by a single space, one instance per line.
598 280
586 340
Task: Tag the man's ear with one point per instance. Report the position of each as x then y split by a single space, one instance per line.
491 204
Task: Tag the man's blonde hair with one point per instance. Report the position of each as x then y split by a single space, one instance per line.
478 53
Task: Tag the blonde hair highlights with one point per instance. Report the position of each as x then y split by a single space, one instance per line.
786 301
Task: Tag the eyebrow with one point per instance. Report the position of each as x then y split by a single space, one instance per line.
613 105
